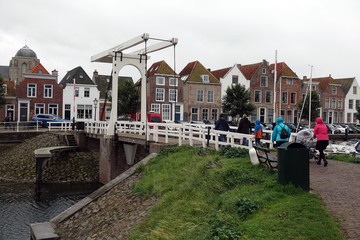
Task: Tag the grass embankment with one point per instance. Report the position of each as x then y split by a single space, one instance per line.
205 195
17 164
344 158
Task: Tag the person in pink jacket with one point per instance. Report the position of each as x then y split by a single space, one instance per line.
321 133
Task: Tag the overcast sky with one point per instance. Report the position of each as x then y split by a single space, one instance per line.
65 34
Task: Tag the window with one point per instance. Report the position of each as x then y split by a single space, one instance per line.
84 111
76 91
313 87
289 81
335 117
333 90
292 98
173 82
160 94
205 78
263 81
354 117
81 76
357 103
348 116
48 91
354 90
39 108
289 116
160 81
263 70
327 102
40 71
166 111
268 96
270 115
325 117
341 117
86 92
194 114
5 89
351 104
155 108
172 95
235 79
205 114
333 103
31 90
282 114
214 114
340 101
53 109
257 96
210 97
200 96
284 97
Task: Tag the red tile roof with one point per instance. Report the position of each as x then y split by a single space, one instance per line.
324 82
38 67
221 72
283 70
249 70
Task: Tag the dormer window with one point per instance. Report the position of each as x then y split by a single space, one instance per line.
81 76
334 92
205 78
40 71
264 71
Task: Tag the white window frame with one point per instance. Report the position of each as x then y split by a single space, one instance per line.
39 108
214 114
334 90
48 91
86 92
200 95
205 114
155 107
173 96
270 93
340 103
52 107
263 70
354 90
235 79
160 95
5 89
194 112
261 81
205 78
284 97
77 91
32 89
293 94
259 94
333 103
327 102
289 81
210 96
173 82
160 81
166 112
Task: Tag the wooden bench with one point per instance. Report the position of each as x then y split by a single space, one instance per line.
264 158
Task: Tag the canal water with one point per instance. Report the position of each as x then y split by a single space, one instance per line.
19 205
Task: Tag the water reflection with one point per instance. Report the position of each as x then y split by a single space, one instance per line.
19 205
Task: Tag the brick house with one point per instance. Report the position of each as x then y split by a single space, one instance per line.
9 108
164 91
202 93
290 86
38 92
262 90
331 97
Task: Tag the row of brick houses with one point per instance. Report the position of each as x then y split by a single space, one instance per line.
194 94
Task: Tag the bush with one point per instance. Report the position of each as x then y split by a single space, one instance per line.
233 152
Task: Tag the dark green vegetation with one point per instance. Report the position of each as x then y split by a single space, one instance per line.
315 105
344 158
17 163
237 101
204 195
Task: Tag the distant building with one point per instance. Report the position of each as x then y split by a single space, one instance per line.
351 89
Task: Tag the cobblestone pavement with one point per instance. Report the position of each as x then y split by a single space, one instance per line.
338 185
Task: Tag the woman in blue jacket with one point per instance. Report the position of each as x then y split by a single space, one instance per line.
276 135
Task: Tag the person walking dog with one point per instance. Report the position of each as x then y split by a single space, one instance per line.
321 133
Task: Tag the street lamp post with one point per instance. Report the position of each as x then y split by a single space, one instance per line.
95 106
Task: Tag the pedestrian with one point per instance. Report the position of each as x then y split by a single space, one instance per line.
281 133
321 133
244 127
258 132
7 121
222 125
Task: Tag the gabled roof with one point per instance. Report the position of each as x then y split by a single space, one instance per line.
346 83
193 71
39 67
102 82
324 82
249 70
221 72
283 70
4 72
160 67
80 77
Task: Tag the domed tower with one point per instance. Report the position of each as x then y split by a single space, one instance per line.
24 60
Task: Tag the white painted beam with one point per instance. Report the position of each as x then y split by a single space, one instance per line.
157 47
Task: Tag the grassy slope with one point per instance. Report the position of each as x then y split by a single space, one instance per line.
213 197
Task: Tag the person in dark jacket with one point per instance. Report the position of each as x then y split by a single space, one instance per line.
222 125
244 127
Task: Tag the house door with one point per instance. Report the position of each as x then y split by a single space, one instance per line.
262 115
67 111
330 117
10 111
24 112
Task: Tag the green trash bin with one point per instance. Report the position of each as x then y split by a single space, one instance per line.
293 165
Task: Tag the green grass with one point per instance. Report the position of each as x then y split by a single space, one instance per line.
204 195
343 158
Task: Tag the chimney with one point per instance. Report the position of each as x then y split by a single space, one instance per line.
95 73
209 69
55 73
304 77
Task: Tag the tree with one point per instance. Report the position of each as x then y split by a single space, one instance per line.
2 91
128 98
237 101
315 105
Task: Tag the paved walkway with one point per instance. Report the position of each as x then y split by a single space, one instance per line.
338 185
